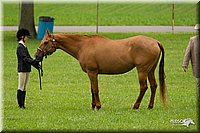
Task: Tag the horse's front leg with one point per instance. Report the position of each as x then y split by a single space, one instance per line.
93 76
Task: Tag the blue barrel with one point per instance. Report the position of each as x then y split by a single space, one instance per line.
44 23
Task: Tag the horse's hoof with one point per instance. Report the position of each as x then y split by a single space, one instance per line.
93 106
134 107
98 107
150 107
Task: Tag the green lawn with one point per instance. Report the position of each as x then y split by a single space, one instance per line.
109 13
64 104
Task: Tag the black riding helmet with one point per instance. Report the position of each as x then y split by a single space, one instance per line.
22 32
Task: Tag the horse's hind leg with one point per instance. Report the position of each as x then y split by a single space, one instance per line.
153 85
143 88
94 89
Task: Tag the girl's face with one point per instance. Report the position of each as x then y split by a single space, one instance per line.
26 38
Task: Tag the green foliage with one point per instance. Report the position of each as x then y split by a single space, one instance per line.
109 13
64 104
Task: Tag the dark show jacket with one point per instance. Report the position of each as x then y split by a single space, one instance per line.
24 59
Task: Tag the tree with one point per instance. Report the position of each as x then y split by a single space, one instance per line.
27 17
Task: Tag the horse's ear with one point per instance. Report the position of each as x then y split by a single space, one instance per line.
47 32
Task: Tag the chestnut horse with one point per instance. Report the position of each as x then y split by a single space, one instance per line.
99 55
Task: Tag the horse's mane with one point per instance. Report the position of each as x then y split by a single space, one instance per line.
79 36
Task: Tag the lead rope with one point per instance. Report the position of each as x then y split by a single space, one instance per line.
41 69
40 75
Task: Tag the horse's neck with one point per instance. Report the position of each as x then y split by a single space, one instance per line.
69 45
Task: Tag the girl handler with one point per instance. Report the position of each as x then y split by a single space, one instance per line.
24 65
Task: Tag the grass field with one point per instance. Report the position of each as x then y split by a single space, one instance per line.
64 104
109 13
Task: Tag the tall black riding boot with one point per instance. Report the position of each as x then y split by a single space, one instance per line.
20 98
23 99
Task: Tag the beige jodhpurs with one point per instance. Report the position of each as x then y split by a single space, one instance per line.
23 78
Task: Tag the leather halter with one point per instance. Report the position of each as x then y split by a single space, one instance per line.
53 46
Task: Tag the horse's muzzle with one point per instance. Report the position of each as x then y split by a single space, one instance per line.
39 56
38 59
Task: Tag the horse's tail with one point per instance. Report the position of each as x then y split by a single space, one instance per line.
162 76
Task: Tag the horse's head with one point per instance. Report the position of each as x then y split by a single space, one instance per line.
47 46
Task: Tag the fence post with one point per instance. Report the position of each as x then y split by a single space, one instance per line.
172 16
97 17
